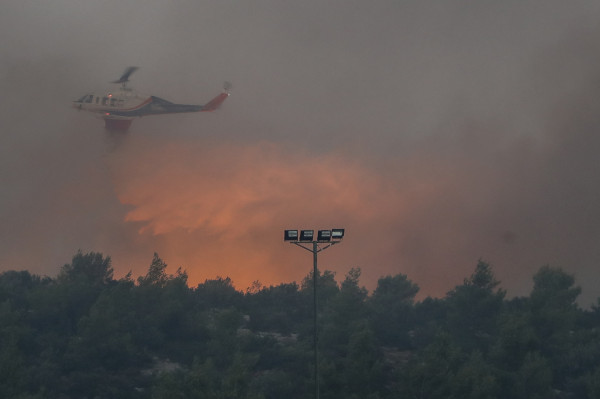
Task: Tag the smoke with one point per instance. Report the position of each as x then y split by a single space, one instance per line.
436 134
223 208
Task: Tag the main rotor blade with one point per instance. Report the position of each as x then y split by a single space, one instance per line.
125 77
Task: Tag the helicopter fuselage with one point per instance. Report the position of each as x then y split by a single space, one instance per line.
120 107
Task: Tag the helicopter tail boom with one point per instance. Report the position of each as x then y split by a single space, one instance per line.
215 102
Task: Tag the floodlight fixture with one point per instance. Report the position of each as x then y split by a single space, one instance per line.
337 234
290 235
324 236
306 235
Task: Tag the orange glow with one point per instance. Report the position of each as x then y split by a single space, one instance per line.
221 211
219 193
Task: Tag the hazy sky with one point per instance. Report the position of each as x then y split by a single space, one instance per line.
436 133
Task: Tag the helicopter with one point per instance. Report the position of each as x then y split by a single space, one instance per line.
119 107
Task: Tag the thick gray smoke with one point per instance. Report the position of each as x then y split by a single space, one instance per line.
435 133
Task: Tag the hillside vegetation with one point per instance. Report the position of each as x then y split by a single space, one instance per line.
85 334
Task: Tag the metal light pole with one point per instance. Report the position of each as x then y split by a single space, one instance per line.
327 238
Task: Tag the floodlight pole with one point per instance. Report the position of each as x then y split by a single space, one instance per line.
315 250
315 338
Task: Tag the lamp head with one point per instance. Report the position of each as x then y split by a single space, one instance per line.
337 234
306 235
290 235
324 236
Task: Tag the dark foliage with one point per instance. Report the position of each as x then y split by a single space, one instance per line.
85 334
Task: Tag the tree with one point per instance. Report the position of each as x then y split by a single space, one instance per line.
218 293
14 338
199 382
474 308
156 275
352 364
533 379
349 303
342 313
16 286
91 269
553 302
516 337
276 308
363 365
327 287
430 373
169 316
429 318
592 383
77 287
475 379
391 309
554 315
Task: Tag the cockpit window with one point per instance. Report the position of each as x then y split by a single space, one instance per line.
82 99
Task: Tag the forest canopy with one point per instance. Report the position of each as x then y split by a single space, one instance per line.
85 334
